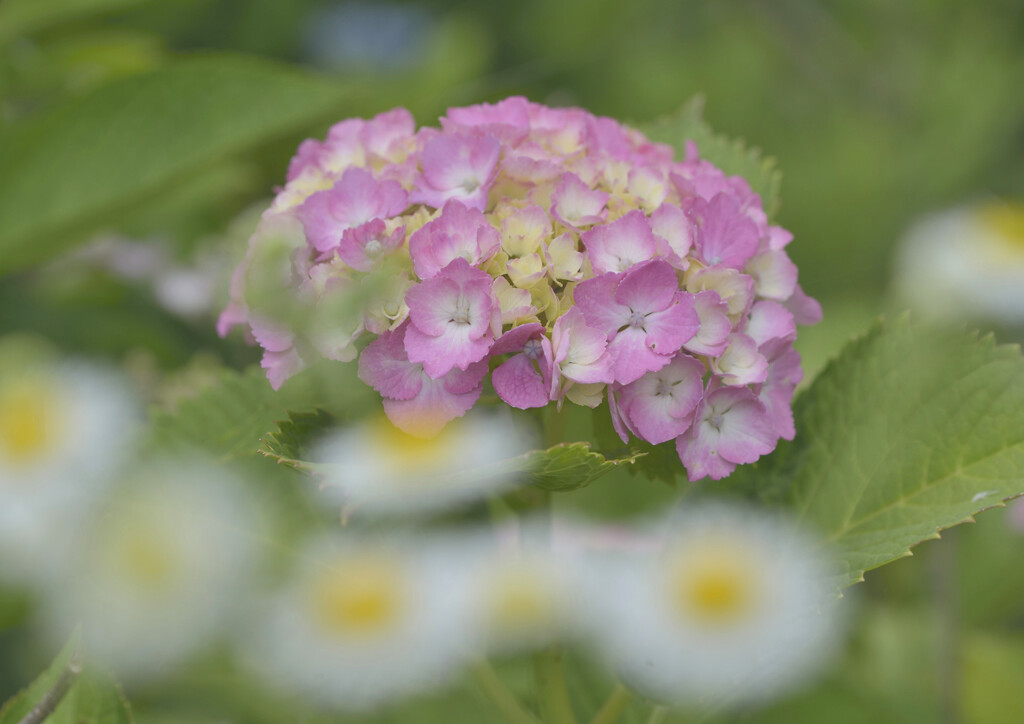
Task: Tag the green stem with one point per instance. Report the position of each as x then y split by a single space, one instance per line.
503 699
549 670
613 708
658 715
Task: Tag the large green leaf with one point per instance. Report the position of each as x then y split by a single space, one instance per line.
22 17
72 694
67 175
908 432
731 155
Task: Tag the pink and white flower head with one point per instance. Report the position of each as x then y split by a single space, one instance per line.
552 254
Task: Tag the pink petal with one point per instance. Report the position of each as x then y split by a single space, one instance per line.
660 404
632 358
747 432
514 339
727 236
675 232
457 167
715 326
384 366
805 309
621 244
442 353
668 330
595 298
519 383
649 287
741 363
774 275
426 414
575 204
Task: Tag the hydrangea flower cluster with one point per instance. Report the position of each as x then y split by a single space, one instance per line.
565 255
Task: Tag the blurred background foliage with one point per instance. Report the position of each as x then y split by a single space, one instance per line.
160 121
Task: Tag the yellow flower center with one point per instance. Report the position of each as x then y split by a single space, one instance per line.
28 423
410 454
519 599
716 588
359 597
148 562
1006 220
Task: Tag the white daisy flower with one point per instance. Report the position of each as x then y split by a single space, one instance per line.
363 623
65 428
154 576
965 263
732 609
517 589
376 468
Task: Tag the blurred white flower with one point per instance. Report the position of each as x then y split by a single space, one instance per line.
517 588
731 610
362 623
965 264
154 577
377 468
65 428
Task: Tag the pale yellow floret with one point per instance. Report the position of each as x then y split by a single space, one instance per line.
300 188
615 178
342 157
360 596
520 237
418 219
588 395
564 142
30 421
717 583
526 271
648 190
545 300
564 261
516 304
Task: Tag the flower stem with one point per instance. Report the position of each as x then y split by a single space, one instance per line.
549 670
52 699
658 715
503 699
615 705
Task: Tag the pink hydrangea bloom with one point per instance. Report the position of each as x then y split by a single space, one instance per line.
644 315
621 244
457 167
659 406
459 232
453 317
563 256
414 401
524 379
355 200
732 427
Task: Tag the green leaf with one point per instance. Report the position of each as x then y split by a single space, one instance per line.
67 175
23 17
731 155
228 419
567 466
289 443
908 432
80 696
